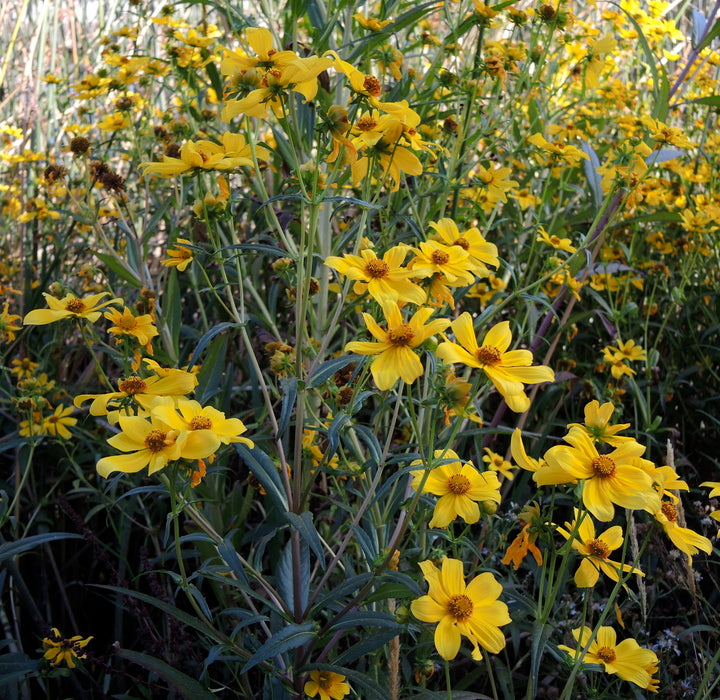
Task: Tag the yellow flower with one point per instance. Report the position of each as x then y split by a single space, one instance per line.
173 382
595 551
140 327
597 424
607 479
627 659
596 61
461 610
480 252
180 256
459 486
524 543
384 279
558 150
326 684
8 325
508 371
521 457
206 427
451 263
395 358
69 306
267 57
59 649
371 23
24 368
148 444
628 352
555 241
496 182
661 133
57 422
498 463
683 538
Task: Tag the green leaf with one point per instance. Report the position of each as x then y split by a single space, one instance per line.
215 330
711 35
172 314
265 472
289 637
187 687
303 523
367 619
328 369
119 269
289 387
215 79
712 101
591 174
8 550
168 609
14 667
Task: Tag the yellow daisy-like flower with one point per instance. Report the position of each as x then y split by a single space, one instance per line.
627 659
180 256
69 306
498 463
371 23
384 279
148 443
125 323
480 252
508 370
8 324
461 610
554 241
206 427
521 457
608 479
597 424
59 650
685 539
327 685
496 182
57 422
460 486
451 263
24 368
595 551
395 358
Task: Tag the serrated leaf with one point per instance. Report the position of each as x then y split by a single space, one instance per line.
8 550
188 687
265 471
288 638
303 523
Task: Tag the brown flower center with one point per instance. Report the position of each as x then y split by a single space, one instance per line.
669 511
460 607
603 466
324 680
155 440
200 423
53 419
377 268
401 335
598 549
459 484
372 85
488 355
463 243
132 385
606 654
366 123
439 257
75 306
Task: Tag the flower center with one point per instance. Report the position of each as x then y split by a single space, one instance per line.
669 511
366 124
372 85
606 654
132 385
127 322
598 549
377 268
324 680
603 466
155 440
463 243
400 335
439 257
52 419
75 306
200 423
459 484
487 177
488 355
460 607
